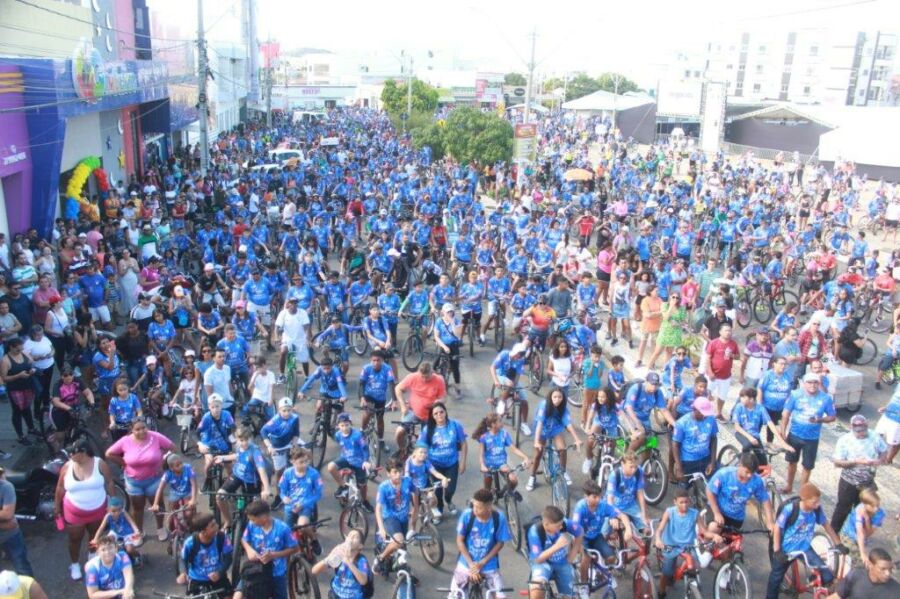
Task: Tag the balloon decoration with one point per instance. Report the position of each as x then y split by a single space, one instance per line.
75 202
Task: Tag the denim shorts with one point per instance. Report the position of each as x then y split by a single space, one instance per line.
670 561
142 488
561 572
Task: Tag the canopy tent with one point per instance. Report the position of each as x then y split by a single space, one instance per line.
604 101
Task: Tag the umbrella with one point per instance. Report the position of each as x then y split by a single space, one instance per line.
578 174
292 162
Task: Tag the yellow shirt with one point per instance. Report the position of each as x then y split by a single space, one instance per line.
24 591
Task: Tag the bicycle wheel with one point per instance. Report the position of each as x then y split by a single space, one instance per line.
290 380
404 588
643 583
536 371
359 342
431 544
317 443
694 589
237 531
880 318
729 455
559 493
185 440
783 298
374 446
177 542
176 356
742 313
412 352
301 582
575 396
511 507
354 516
762 311
472 334
822 545
869 352
656 480
499 331
515 416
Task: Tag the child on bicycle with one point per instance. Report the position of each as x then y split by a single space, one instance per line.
354 456
119 523
331 384
248 473
594 515
181 482
188 392
749 418
860 526
592 371
603 416
550 422
625 491
215 431
262 384
280 434
494 441
480 535
676 534
506 370
394 511
418 468
300 489
552 545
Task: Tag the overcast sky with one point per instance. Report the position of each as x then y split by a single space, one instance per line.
633 37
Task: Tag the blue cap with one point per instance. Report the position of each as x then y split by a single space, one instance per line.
108 271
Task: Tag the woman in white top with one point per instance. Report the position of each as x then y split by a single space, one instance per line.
55 327
39 349
262 383
560 366
80 502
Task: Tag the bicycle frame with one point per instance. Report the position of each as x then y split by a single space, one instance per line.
814 586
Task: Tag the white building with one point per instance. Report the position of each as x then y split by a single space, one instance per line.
229 87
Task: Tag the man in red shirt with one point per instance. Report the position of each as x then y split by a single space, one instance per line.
425 389
586 227
722 353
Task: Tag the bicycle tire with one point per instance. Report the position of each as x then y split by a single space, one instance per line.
411 353
729 455
880 319
290 377
783 298
359 342
237 532
822 545
536 371
317 444
643 583
184 441
177 543
472 334
742 313
762 310
511 507
694 589
499 331
433 549
176 356
374 446
354 516
515 415
868 354
559 494
404 589
301 582
655 472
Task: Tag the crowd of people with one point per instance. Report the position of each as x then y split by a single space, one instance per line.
175 295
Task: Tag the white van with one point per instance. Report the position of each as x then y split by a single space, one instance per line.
283 155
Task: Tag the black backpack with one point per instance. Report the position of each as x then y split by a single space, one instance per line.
542 534
792 517
495 518
195 547
257 580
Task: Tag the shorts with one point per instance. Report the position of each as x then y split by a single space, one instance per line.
460 580
888 429
142 488
234 485
280 458
411 417
694 467
263 312
376 404
100 313
603 276
732 523
890 224
808 447
621 311
599 543
670 560
291 517
395 526
279 583
562 573
719 388
472 316
301 352
358 472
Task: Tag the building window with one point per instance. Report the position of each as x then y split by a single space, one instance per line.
874 93
756 88
687 74
784 88
813 50
806 90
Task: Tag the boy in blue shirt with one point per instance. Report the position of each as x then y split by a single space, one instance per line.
248 473
480 535
804 413
354 456
594 515
694 440
300 489
395 511
676 534
552 545
267 539
625 491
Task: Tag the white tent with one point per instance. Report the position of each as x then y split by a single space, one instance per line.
865 136
604 101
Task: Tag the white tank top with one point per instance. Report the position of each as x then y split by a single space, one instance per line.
562 368
88 494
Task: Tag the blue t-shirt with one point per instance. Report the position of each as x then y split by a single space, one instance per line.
686 402
208 559
374 383
396 503
179 484
236 353
124 410
247 464
344 584
552 423
694 436
857 517
444 448
300 490
445 331
279 431
99 576
354 448
643 402
732 495
214 433
534 541
681 530
751 421
482 538
120 525
802 407
624 489
94 287
495 448
419 473
775 389
277 538
799 536
591 522
161 334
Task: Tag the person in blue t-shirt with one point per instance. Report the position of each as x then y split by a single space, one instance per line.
110 570
729 490
351 568
395 511
248 473
595 516
801 424
354 456
181 482
694 440
280 434
774 389
550 422
505 371
300 488
267 539
494 441
794 529
676 534
640 402
207 555
375 382
749 419
481 532
447 451
552 545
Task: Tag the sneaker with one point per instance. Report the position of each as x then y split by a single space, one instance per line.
526 430
410 535
614 341
878 385
586 466
435 514
481 340
368 506
162 534
568 479
376 566
341 492
583 591
277 502
452 509
529 486
630 344
75 571
501 407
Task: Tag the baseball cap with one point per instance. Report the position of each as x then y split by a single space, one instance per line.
9 583
704 406
518 348
285 402
720 303
811 377
151 359
859 421
342 417
653 378
190 352
209 266
214 398
240 304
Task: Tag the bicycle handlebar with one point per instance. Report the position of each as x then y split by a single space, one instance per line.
316 524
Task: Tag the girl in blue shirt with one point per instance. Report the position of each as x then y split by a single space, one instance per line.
550 422
182 485
124 407
494 441
604 420
447 449
351 568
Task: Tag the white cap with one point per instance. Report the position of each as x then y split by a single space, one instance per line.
393 253
518 348
448 308
209 266
214 398
151 359
285 402
9 582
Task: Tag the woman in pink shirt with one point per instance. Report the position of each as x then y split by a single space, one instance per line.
149 276
606 259
141 454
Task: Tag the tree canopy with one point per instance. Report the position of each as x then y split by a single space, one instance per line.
582 85
515 79
468 135
393 96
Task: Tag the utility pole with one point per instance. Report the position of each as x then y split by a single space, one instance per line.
526 116
269 82
616 102
202 99
409 78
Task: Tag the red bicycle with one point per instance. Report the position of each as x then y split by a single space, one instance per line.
732 580
796 584
688 570
643 582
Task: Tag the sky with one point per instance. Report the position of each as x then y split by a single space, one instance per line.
634 37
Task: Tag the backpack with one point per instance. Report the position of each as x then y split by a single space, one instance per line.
792 517
195 547
542 534
256 580
628 385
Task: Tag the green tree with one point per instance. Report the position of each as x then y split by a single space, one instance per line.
394 97
515 79
429 135
607 82
470 134
581 85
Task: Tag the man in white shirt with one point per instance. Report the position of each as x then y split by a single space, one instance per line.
217 379
4 253
293 326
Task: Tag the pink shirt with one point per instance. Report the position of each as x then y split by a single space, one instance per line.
605 260
142 460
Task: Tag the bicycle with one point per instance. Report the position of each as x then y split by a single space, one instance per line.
290 372
643 583
412 351
184 417
656 474
80 429
239 521
323 427
472 590
412 436
732 579
696 487
688 570
254 417
730 455
892 374
370 433
301 581
427 537
600 576
554 475
878 313
812 583
204 595
470 331
179 530
769 302
405 584
353 515
505 400
535 368
510 500
359 342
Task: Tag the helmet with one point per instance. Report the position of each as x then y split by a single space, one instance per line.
564 325
448 307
